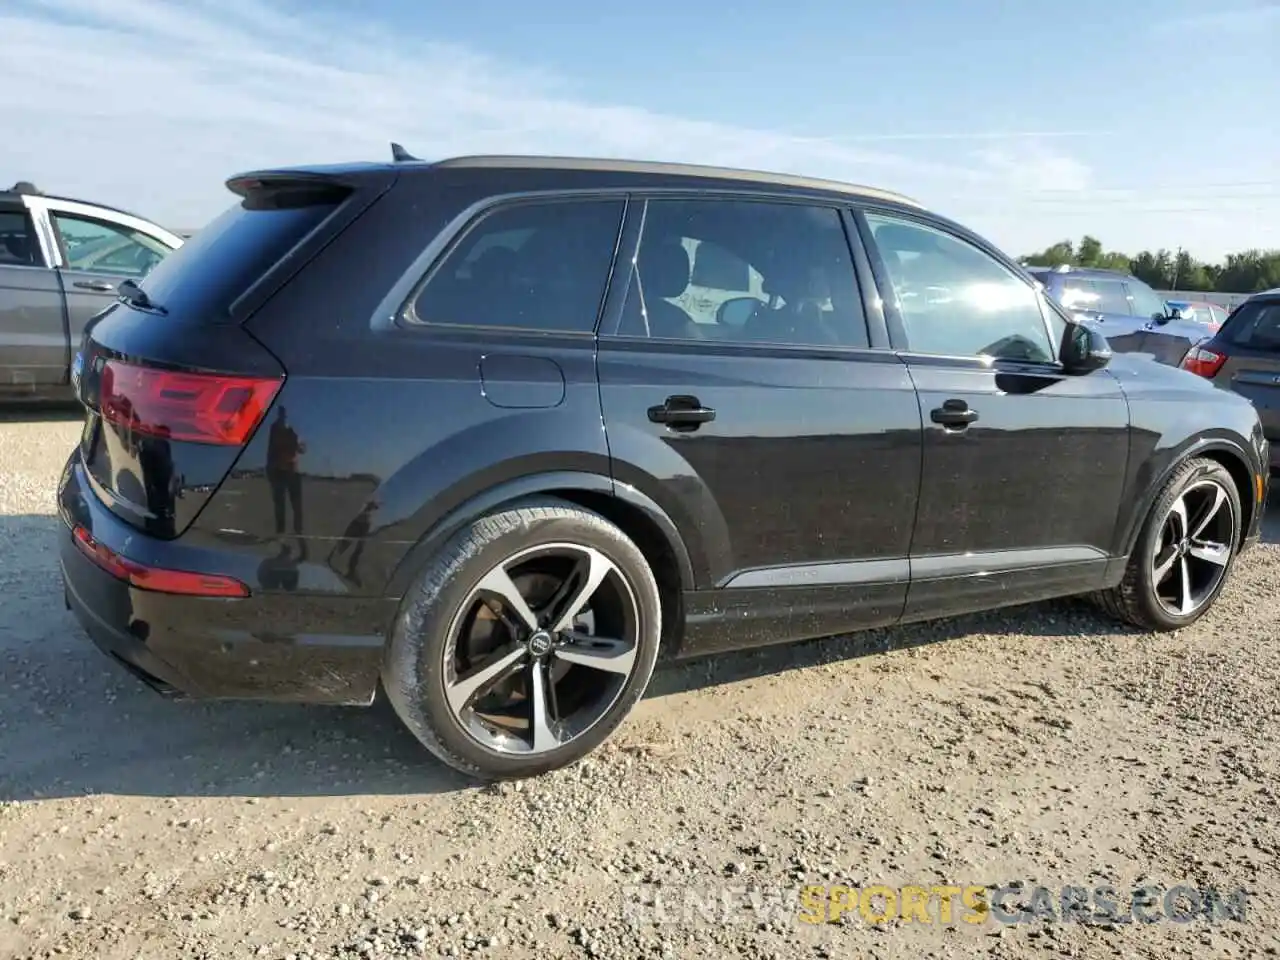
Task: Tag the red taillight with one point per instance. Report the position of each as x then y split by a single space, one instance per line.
156 578
1203 361
195 407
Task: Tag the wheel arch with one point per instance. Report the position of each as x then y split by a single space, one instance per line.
633 512
1227 452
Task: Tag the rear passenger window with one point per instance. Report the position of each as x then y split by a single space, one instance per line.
18 245
529 266
744 271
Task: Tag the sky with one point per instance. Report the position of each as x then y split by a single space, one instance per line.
1147 124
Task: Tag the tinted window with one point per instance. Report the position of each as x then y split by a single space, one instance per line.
533 266
101 247
1146 302
1080 295
18 244
222 260
956 300
744 271
1255 325
1112 297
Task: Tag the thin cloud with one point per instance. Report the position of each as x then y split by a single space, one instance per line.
1036 171
969 135
153 103
1240 20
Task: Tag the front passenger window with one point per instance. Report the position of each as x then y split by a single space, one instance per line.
956 300
1146 302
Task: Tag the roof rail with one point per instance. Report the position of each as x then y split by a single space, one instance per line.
548 162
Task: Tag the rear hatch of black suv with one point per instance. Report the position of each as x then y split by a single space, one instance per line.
173 384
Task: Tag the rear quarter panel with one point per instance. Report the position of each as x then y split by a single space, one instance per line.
398 426
390 453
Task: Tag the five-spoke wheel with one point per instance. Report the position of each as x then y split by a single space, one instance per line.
1184 550
1193 549
526 641
541 649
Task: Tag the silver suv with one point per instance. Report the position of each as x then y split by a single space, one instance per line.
61 262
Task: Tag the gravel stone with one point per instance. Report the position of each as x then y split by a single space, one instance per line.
1037 745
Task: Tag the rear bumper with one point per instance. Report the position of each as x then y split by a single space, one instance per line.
268 646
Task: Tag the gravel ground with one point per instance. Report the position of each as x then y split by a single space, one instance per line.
1039 745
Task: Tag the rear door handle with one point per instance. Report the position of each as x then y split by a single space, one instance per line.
954 413
682 413
101 286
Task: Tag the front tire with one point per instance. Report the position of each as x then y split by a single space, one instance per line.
525 642
1184 553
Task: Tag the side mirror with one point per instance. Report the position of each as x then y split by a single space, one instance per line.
736 312
1084 349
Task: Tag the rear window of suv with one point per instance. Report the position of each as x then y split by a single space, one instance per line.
1255 324
533 265
202 278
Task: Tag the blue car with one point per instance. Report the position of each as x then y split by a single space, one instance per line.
1132 316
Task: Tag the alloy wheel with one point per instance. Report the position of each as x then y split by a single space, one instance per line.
1194 547
541 648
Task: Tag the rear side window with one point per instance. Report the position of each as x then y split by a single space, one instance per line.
528 266
18 246
222 260
1255 325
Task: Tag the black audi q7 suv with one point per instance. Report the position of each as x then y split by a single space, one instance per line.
496 434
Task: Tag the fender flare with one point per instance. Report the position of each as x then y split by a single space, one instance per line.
1195 448
531 485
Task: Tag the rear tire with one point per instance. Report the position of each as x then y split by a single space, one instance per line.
491 666
1184 553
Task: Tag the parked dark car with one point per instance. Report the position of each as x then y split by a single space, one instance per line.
60 263
1244 357
1131 315
499 433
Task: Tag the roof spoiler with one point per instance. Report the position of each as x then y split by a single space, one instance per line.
400 155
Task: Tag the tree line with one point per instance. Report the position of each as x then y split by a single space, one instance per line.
1246 272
